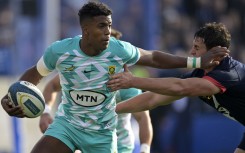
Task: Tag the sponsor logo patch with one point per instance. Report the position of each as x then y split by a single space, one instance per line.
87 98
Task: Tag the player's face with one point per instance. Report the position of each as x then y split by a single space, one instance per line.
198 48
99 31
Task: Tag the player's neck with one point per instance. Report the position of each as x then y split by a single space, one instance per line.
87 48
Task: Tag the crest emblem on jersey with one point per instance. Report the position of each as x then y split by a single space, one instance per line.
111 69
69 69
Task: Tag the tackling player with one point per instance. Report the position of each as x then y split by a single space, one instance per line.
222 86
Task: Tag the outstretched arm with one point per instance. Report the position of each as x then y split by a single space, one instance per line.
166 86
145 130
160 59
145 101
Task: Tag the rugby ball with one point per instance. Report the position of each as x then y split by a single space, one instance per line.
28 96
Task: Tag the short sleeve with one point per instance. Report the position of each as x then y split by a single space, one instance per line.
50 57
135 54
129 51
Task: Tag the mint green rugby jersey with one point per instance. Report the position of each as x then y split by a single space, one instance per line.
87 103
125 135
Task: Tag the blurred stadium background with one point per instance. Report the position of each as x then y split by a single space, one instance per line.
27 27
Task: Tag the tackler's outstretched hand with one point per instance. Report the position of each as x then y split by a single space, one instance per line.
121 80
213 57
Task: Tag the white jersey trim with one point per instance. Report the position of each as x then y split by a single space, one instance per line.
42 68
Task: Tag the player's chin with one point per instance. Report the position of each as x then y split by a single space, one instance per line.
104 45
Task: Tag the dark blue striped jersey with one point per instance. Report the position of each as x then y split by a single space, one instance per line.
229 76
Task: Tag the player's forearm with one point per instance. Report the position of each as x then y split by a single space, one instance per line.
145 127
146 134
165 86
175 86
163 60
145 101
167 61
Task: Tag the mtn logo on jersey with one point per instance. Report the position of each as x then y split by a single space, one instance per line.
87 98
111 69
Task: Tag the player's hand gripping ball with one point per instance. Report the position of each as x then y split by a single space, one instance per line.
28 96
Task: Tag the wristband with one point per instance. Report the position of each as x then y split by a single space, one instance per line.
198 62
193 62
47 109
144 148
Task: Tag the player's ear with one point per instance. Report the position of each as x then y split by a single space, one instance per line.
84 30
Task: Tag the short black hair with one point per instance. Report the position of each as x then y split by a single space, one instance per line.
92 9
214 34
